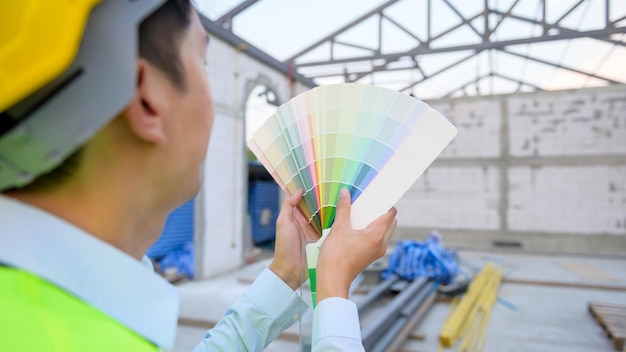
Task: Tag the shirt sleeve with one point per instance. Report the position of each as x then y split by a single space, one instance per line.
336 326
268 307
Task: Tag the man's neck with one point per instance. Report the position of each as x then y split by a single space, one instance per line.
105 213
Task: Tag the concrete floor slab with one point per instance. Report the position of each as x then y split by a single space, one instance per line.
544 319
553 268
540 317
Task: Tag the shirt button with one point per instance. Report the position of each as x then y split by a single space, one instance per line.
296 317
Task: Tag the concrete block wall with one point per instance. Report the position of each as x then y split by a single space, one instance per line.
585 200
474 188
569 124
547 170
222 201
479 120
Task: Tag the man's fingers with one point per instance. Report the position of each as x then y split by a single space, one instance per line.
295 198
289 203
390 230
384 221
309 232
343 207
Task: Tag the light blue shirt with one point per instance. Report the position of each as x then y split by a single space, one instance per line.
123 288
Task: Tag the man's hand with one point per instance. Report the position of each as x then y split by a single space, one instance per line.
291 230
347 252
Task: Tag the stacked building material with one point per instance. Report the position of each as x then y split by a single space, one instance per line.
400 316
468 319
612 318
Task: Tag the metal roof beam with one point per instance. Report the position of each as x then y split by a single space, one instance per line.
441 70
502 17
229 37
559 66
424 50
395 58
356 46
463 19
392 57
365 72
492 74
463 86
556 23
520 82
228 16
601 34
401 27
346 27
419 68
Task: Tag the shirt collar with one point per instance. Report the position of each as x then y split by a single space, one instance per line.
90 269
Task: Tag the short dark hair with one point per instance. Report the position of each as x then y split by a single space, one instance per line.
159 43
160 37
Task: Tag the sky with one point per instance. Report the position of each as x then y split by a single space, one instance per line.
284 27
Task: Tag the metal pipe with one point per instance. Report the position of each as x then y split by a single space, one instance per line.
409 310
376 292
371 333
415 319
389 335
419 298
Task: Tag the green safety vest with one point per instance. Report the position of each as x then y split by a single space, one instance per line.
36 315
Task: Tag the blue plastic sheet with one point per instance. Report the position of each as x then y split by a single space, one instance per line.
181 259
411 259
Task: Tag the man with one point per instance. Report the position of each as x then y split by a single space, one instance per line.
130 143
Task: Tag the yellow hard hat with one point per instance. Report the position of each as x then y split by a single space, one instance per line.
66 68
39 39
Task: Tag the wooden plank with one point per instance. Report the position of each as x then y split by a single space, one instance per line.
417 335
610 311
612 318
607 304
613 308
591 286
587 272
618 333
618 344
616 330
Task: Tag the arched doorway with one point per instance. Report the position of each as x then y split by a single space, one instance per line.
263 193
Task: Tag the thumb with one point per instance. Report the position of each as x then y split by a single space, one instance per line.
343 208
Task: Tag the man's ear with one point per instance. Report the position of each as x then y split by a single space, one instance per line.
148 107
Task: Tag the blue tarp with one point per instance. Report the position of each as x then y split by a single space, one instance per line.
181 259
411 259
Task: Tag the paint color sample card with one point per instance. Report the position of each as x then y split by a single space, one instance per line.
373 141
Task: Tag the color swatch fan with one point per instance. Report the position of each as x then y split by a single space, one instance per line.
373 141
